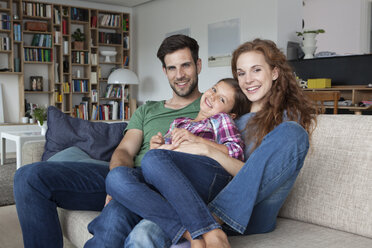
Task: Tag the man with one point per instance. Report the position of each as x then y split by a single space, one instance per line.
41 187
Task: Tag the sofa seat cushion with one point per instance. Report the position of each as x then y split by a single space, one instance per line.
74 225
288 234
293 234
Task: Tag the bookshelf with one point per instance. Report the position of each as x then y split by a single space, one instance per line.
39 42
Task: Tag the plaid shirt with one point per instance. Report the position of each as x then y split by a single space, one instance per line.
219 128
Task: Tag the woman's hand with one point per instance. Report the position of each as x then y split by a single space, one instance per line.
180 135
156 141
196 148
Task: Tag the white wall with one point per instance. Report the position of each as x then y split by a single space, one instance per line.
342 20
270 19
10 82
10 97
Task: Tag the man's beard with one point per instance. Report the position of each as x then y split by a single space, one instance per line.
188 92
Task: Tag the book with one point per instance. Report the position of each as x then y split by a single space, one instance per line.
115 109
107 112
94 21
94 95
108 90
93 77
94 58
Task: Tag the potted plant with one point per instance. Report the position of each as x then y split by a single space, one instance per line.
40 114
79 39
309 41
316 31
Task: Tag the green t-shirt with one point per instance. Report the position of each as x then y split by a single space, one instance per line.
153 117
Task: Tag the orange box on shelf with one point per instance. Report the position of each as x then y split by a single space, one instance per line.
36 26
313 83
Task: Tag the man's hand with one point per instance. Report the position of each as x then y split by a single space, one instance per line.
180 135
156 141
108 199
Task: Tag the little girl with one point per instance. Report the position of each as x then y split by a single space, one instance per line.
212 125
162 192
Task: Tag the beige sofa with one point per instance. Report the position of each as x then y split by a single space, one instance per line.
329 206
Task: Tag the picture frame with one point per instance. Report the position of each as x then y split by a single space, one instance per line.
36 83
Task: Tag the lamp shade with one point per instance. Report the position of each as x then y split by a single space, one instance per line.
123 76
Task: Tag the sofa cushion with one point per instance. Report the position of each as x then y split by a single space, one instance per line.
97 139
334 186
288 234
75 154
293 234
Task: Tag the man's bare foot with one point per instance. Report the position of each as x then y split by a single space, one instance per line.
216 239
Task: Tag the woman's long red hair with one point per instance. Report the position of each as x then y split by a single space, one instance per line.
284 96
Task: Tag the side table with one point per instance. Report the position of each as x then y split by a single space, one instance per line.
19 137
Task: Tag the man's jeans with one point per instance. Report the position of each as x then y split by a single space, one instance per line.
251 201
113 225
40 187
186 183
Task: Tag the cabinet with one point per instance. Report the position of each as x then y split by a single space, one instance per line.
40 47
355 94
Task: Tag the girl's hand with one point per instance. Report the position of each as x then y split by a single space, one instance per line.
180 135
108 199
156 141
167 147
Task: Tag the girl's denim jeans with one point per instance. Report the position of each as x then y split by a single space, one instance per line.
171 189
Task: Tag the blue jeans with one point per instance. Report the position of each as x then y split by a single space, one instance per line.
111 228
147 234
185 182
251 201
41 187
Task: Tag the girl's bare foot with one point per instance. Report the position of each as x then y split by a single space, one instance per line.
216 239
194 243
197 243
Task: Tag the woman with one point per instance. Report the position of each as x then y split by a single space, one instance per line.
276 132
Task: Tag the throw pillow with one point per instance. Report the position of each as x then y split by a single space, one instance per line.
97 139
75 154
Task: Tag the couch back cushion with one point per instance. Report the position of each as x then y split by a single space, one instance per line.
334 187
97 139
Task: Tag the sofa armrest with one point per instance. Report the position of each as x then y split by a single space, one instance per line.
32 151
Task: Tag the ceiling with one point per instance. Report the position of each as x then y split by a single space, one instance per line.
124 3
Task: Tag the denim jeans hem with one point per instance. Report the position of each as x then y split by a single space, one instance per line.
226 219
178 235
200 232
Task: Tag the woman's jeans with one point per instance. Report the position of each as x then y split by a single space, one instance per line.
186 183
251 201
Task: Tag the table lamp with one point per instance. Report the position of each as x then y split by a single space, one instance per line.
123 77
